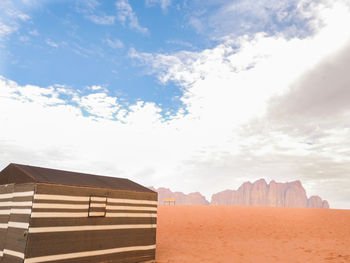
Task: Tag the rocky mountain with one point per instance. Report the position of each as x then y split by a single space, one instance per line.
259 193
180 198
316 202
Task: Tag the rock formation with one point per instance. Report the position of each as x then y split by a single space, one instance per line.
316 202
180 198
259 193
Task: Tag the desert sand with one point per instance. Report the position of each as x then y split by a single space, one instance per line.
252 234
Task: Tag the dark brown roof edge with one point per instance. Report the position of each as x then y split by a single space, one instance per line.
22 170
105 179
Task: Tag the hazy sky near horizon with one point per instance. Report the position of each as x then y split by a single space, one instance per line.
189 95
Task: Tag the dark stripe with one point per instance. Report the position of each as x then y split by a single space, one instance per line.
5 200
97 209
22 198
3 220
15 239
11 259
45 222
6 189
124 257
43 244
2 237
24 187
87 191
20 218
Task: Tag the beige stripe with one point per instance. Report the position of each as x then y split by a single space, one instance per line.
87 254
131 214
87 228
96 213
28 203
14 253
15 211
1 253
63 206
58 214
5 212
95 198
21 194
3 225
131 201
97 205
21 211
11 203
18 225
61 197
113 207
16 194
6 196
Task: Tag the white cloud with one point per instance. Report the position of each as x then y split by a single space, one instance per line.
24 38
114 43
51 43
180 43
217 19
6 30
224 135
88 6
90 10
229 87
34 32
10 17
164 4
17 14
102 20
127 16
97 87
197 24
99 105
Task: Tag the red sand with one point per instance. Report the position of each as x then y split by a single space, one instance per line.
197 234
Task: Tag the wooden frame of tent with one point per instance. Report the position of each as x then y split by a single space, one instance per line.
51 215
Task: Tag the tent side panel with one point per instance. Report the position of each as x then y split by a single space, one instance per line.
83 224
18 223
6 194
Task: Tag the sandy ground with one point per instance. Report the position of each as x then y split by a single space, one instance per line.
252 234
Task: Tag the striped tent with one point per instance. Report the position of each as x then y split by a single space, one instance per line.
49 215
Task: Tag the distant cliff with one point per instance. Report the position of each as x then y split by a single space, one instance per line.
260 193
180 198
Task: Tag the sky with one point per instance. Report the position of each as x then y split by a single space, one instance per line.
188 95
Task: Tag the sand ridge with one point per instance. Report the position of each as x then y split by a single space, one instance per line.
223 234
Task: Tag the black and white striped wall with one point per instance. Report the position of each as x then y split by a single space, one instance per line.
56 223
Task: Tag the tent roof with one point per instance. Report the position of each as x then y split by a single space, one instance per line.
18 173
